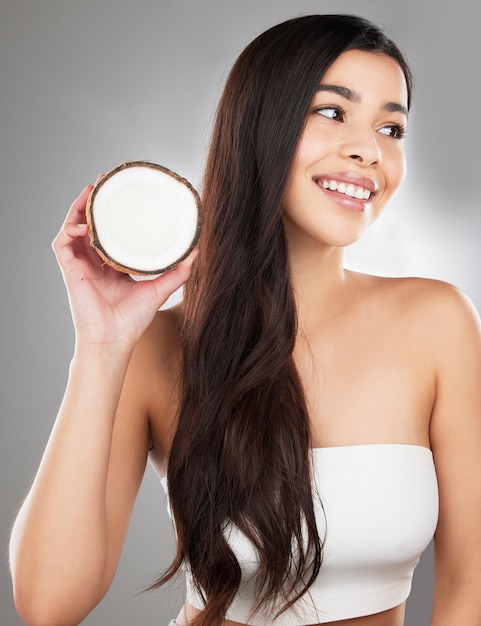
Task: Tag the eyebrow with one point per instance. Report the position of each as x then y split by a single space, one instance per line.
352 96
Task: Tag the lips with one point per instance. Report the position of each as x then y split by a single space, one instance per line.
347 183
352 190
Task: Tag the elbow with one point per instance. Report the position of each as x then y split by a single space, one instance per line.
34 612
41 607
37 603
53 595
33 615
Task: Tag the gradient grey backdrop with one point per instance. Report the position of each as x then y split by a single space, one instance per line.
87 84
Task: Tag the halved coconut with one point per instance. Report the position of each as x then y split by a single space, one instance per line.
143 218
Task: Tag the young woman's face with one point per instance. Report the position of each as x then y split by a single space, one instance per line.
350 158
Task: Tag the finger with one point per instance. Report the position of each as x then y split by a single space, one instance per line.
75 216
76 213
181 272
185 267
73 231
170 281
62 244
192 256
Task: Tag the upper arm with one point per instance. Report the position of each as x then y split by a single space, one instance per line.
455 434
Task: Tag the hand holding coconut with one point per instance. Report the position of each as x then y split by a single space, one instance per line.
119 336
108 306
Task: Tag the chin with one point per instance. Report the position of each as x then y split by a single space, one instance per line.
344 240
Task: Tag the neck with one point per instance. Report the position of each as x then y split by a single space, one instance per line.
320 286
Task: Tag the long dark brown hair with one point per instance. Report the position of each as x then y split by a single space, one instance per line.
241 450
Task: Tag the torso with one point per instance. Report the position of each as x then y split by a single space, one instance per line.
369 376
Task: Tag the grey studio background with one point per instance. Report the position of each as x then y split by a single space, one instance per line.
87 84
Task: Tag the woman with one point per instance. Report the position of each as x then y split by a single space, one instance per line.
309 419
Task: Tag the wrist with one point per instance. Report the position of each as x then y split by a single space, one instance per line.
114 356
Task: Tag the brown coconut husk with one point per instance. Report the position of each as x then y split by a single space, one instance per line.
93 236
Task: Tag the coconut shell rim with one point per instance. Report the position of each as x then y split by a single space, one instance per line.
93 236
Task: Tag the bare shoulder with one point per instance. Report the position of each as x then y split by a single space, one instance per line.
159 347
433 306
161 339
154 374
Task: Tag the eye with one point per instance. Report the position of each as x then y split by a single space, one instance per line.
331 112
396 131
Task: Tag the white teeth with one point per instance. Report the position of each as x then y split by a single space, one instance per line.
353 191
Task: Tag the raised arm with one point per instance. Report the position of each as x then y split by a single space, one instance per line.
67 538
456 444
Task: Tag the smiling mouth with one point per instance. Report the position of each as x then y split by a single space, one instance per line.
348 189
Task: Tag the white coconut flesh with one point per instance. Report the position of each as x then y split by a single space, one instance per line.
144 218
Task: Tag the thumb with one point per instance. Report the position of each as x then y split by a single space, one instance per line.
168 282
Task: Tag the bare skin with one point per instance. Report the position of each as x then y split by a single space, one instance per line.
393 617
402 364
407 350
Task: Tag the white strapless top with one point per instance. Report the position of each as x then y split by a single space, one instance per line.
381 507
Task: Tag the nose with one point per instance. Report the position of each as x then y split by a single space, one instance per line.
361 145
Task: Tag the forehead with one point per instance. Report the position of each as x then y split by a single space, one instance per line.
369 74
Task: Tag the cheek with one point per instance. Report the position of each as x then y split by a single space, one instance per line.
396 170
313 146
